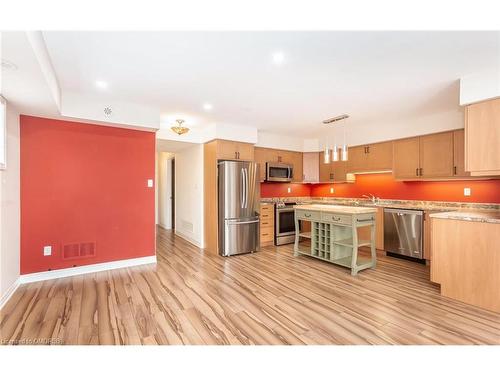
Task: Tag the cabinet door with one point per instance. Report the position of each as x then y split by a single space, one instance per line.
406 158
379 156
310 166
298 175
482 138
325 170
459 154
245 151
260 155
436 155
339 170
227 150
357 159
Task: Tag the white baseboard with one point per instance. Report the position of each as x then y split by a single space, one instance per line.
187 238
74 271
6 296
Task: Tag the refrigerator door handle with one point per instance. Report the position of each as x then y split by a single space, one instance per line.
246 187
242 198
242 222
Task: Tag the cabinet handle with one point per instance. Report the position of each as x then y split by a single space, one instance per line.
455 170
420 171
416 171
307 215
331 176
367 149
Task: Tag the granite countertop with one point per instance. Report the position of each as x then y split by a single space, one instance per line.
480 216
336 209
391 203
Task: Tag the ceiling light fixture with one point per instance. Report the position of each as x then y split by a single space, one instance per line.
103 85
278 58
179 128
207 107
335 150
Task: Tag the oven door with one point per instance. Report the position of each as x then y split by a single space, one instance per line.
279 172
285 222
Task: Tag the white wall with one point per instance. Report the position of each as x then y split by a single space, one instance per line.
10 240
189 194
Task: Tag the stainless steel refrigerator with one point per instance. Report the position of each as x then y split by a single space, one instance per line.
239 202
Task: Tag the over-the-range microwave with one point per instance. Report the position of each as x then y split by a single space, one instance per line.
279 172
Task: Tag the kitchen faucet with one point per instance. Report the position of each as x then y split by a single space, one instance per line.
372 197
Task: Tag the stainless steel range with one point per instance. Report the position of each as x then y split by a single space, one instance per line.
284 220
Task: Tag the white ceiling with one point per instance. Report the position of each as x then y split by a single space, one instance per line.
370 75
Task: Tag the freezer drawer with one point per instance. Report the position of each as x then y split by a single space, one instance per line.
240 236
403 232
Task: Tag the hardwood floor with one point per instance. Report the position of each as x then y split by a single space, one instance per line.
268 297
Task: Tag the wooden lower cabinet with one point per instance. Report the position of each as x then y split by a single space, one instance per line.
465 261
266 224
427 243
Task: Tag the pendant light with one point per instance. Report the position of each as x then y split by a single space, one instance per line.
344 145
326 152
179 128
335 150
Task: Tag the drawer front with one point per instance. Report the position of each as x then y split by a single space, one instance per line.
336 218
266 216
267 234
266 222
266 208
307 215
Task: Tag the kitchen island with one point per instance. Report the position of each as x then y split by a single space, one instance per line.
334 234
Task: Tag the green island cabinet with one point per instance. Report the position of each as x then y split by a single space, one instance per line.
334 234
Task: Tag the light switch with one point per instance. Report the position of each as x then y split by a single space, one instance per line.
467 192
47 250
150 182
289 189
332 190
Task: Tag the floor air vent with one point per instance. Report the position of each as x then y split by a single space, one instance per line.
79 250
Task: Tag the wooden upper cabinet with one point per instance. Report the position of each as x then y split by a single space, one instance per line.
372 157
260 157
357 159
297 161
230 150
459 154
325 170
380 156
482 138
436 155
310 166
406 157
335 171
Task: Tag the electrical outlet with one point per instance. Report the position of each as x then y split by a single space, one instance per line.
150 182
47 250
289 189
332 190
467 192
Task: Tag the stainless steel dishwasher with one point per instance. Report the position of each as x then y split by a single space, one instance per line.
403 232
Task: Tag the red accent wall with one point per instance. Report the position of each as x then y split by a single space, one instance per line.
85 183
385 186
280 189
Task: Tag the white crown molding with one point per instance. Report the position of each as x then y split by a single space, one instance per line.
75 271
9 292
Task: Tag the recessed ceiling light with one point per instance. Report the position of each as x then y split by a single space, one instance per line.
207 107
8 65
101 84
278 58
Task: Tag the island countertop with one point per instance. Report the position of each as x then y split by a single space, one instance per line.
336 209
481 216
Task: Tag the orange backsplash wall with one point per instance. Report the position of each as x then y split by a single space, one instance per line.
385 186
